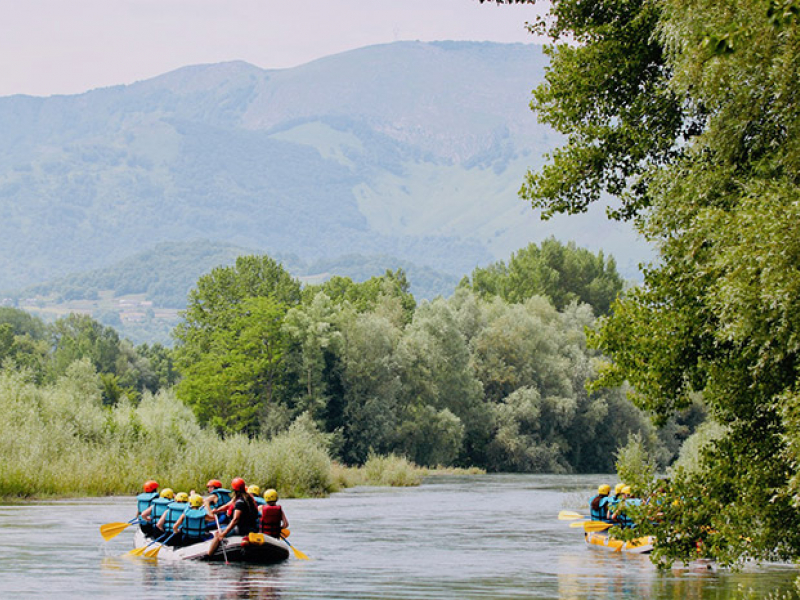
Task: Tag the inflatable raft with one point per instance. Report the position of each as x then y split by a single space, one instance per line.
256 548
642 545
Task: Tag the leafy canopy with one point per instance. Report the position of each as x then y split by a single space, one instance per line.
688 112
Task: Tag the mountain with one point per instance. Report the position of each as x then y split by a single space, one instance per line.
411 150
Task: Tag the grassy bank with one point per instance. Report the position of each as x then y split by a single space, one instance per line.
60 440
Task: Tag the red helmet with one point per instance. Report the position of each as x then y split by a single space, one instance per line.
150 485
238 485
215 483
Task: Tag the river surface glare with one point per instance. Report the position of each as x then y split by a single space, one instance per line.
492 536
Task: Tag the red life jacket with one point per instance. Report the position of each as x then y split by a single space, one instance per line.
271 519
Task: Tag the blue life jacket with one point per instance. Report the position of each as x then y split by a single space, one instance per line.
194 523
259 501
223 496
624 519
605 507
144 500
174 512
595 508
159 508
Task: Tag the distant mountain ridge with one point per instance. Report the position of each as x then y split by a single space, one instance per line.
412 150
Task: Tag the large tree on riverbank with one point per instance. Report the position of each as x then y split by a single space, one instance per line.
689 112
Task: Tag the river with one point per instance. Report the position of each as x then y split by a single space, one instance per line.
492 536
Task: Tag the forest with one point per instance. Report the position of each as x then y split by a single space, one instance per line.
493 377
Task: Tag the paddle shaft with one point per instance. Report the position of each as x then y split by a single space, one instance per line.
221 540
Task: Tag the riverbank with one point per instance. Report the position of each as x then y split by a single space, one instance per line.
60 441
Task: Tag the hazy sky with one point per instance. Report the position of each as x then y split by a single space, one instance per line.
71 46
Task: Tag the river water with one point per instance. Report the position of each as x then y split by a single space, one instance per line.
492 536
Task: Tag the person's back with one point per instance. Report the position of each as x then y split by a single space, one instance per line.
597 506
272 517
192 523
248 519
159 505
173 512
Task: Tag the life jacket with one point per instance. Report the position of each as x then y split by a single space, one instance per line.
271 519
259 501
194 523
605 508
624 519
174 512
144 500
159 508
223 496
595 508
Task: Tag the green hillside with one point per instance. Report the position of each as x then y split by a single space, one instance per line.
410 150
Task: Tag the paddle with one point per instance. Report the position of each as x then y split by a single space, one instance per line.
139 551
112 530
595 525
222 540
154 552
297 552
568 515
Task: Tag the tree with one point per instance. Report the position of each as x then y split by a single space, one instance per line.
209 303
690 109
230 345
235 382
562 273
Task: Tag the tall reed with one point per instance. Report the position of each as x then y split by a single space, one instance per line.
59 440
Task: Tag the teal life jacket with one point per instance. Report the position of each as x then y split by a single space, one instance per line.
259 501
174 512
605 506
624 519
194 523
159 508
144 500
596 509
223 496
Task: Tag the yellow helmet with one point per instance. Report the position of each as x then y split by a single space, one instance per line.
626 490
255 490
167 493
618 488
181 497
271 495
604 490
195 501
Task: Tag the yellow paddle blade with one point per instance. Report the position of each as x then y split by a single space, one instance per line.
596 526
299 554
153 552
112 530
568 515
137 551
576 524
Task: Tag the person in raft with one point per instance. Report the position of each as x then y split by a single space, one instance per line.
143 502
255 492
217 497
152 514
192 524
273 519
174 511
620 516
598 507
244 519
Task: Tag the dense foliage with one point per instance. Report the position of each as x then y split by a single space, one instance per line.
562 273
689 112
47 351
465 380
